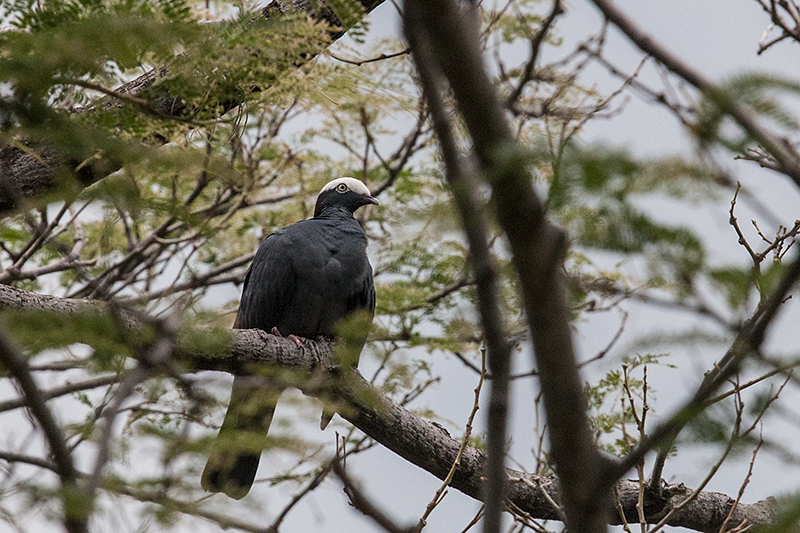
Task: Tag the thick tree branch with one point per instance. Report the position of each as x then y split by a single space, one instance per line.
26 173
419 441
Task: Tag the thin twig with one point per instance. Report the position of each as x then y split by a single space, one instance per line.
68 388
440 493
363 504
744 485
359 62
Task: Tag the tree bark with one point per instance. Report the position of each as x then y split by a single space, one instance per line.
419 441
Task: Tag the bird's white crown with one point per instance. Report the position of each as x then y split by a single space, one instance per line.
353 184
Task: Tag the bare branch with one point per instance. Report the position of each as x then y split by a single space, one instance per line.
441 491
363 504
784 154
189 508
746 342
213 276
359 62
12 457
68 388
536 43
17 365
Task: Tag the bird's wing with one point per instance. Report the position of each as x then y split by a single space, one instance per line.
369 290
268 286
364 298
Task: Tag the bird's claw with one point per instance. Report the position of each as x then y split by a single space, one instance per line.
297 340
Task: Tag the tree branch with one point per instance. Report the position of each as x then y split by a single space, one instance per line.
17 365
537 247
13 457
783 153
419 441
27 172
361 502
68 388
460 173
748 341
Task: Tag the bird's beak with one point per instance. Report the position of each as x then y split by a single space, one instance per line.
371 200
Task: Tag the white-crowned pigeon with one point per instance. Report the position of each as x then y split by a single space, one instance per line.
304 280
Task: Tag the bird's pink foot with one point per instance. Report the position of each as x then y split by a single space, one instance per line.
297 340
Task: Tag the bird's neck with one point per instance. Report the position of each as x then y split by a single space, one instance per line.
333 211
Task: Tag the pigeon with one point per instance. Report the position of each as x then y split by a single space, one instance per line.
305 280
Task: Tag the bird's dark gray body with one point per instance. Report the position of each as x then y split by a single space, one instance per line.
304 280
307 277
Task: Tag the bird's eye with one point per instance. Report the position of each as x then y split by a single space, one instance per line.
342 187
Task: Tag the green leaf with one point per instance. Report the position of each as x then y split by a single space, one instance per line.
736 282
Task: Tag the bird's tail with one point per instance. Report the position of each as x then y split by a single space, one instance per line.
234 455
